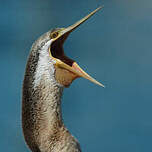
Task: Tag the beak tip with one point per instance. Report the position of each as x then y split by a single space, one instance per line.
102 85
100 7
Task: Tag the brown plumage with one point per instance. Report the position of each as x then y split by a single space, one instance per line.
48 71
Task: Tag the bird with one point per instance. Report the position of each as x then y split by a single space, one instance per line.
48 71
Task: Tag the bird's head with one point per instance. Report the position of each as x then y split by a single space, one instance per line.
62 68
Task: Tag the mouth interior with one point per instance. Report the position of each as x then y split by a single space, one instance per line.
57 51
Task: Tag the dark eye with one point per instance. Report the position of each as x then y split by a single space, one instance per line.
54 35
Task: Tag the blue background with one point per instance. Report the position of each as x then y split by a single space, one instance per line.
114 46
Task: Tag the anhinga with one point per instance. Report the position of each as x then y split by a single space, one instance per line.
48 71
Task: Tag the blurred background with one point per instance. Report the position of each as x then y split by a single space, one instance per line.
114 46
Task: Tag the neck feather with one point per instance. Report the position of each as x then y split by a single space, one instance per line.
42 123
41 109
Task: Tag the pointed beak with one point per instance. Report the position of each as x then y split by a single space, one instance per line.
74 66
78 23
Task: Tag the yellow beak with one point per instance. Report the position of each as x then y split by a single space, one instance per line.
78 23
75 67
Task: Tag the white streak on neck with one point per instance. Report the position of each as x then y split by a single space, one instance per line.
45 66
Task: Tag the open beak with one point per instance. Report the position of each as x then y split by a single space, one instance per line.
75 67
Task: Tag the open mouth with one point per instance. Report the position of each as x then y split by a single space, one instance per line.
57 51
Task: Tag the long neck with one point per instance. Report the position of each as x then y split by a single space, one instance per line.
41 104
42 123
41 114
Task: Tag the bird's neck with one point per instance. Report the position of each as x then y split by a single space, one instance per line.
41 113
42 123
48 104
41 104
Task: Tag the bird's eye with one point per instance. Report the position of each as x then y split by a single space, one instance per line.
54 35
